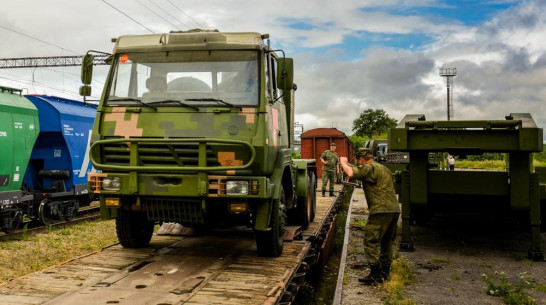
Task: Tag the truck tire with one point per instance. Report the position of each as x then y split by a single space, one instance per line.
271 243
305 210
133 229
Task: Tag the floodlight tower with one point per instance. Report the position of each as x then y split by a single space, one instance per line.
298 131
449 73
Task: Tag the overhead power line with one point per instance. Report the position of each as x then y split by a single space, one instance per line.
166 12
37 39
201 26
156 14
128 16
41 85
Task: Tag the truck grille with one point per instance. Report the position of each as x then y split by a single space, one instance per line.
157 154
172 210
172 155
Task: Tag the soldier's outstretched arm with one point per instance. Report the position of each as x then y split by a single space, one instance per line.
346 168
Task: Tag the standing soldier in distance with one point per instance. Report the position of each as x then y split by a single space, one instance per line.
384 211
451 162
329 159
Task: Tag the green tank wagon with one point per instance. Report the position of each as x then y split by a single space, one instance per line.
19 128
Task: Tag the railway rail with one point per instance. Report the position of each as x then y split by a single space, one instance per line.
88 213
222 267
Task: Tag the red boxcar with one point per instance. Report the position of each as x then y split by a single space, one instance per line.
315 141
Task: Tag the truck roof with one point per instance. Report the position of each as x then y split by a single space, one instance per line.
190 40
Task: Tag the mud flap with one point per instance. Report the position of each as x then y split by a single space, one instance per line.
263 212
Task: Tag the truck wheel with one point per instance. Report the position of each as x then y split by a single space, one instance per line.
305 210
134 230
271 243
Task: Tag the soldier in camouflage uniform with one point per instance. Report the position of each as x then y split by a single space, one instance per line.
329 159
384 211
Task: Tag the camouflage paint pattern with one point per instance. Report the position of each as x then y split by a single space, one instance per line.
265 127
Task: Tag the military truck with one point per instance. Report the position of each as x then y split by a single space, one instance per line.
379 149
196 127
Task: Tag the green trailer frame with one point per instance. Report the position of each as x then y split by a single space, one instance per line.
423 190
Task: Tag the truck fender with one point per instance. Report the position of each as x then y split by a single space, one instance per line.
281 174
301 182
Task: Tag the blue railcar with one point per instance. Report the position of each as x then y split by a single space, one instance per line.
62 144
59 163
53 162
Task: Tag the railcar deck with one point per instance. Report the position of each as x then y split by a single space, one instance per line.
219 268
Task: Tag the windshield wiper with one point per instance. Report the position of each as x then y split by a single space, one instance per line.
173 101
213 100
130 99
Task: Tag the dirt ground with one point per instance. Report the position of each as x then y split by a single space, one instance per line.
355 293
452 253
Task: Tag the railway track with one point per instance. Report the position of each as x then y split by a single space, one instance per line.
222 267
89 213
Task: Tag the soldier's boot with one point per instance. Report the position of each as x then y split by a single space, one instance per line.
375 276
323 193
386 271
332 194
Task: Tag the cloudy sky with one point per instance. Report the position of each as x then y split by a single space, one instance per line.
349 55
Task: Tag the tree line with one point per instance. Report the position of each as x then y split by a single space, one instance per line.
374 124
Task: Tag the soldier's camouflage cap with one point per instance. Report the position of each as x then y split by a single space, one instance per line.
361 152
333 144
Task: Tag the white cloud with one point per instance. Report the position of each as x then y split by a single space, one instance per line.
501 63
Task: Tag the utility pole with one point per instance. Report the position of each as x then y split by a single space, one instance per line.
449 73
298 131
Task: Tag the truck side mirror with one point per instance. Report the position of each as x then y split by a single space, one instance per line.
87 68
87 74
85 90
285 74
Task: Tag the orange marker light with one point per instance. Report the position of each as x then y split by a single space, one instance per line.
124 58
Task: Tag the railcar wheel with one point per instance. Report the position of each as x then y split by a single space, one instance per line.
271 243
44 213
71 211
134 230
11 223
313 193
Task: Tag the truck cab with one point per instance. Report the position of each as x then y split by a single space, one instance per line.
195 127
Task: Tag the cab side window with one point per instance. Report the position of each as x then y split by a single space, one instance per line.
270 80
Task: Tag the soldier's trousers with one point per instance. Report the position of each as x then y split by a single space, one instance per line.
379 236
328 176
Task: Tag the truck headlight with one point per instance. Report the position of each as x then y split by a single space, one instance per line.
235 187
111 183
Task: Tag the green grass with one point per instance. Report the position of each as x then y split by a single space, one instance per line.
497 165
401 275
512 294
359 223
32 253
440 261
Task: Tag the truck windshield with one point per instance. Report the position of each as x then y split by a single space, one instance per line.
192 77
